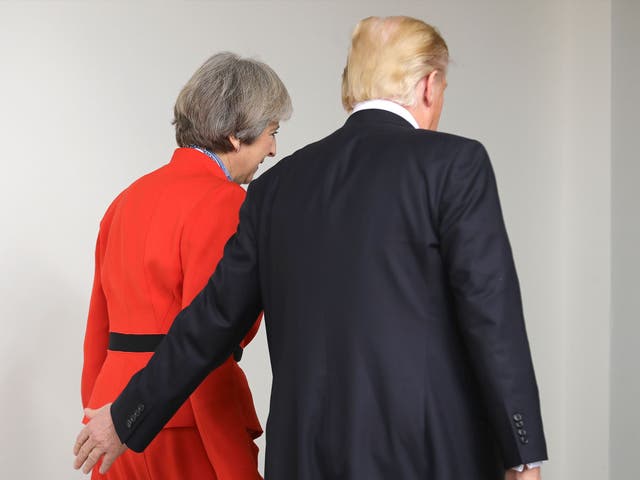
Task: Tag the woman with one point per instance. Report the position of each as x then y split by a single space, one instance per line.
159 242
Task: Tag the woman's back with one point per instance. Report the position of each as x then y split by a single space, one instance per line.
142 273
159 242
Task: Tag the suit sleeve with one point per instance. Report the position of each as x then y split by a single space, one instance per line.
217 403
488 306
96 339
201 338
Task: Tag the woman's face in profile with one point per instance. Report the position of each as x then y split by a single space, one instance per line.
245 161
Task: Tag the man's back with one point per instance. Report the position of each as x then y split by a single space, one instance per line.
373 372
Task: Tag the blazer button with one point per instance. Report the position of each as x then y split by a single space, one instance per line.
517 417
522 433
524 440
520 424
129 423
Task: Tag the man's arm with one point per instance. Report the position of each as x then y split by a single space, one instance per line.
202 337
488 307
206 230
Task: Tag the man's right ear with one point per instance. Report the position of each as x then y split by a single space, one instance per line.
431 81
422 91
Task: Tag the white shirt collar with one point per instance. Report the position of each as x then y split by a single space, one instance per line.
389 106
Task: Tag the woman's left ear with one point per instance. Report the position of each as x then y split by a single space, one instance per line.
235 141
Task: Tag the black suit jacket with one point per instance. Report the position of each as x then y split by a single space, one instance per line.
392 308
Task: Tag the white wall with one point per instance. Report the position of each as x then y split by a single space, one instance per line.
625 343
586 227
87 90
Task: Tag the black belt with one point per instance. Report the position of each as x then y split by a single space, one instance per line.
129 342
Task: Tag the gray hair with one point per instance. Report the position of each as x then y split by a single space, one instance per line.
229 96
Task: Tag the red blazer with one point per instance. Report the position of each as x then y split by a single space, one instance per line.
159 242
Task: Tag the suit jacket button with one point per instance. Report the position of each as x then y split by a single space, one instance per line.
524 440
129 423
520 424
517 417
522 433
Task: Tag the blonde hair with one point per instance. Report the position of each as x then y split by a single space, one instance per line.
388 57
229 95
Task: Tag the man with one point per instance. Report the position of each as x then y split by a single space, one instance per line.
392 304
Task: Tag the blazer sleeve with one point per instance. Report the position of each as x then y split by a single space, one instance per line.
482 275
96 338
201 338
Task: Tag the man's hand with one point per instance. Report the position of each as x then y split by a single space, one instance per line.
96 439
533 474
